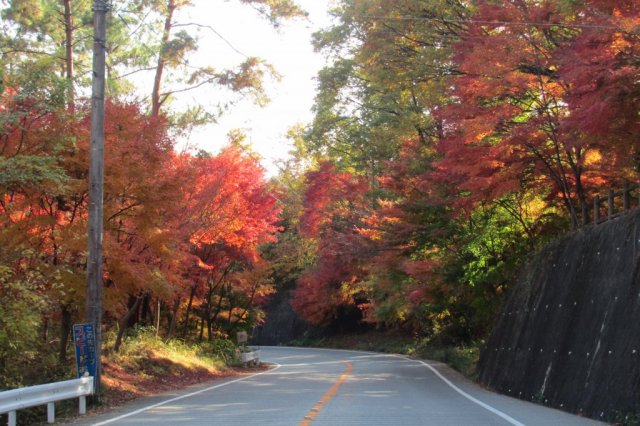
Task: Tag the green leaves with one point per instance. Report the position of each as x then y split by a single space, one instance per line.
21 312
249 78
29 14
28 171
175 51
276 10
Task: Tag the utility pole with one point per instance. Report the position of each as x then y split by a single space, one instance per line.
96 182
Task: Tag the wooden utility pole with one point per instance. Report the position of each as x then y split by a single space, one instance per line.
68 30
96 181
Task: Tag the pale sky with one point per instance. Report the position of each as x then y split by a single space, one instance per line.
288 49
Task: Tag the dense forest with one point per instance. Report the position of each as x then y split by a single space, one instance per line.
183 230
450 139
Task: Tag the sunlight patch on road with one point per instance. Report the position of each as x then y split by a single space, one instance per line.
159 404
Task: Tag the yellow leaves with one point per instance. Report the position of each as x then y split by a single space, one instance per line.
592 157
554 88
371 234
350 288
254 281
619 43
441 316
627 23
480 136
535 207
70 284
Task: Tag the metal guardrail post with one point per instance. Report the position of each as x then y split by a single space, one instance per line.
83 405
611 197
610 204
51 412
626 196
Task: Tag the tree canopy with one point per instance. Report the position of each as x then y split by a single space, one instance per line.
183 231
479 130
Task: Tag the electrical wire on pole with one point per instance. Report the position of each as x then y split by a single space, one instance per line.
96 183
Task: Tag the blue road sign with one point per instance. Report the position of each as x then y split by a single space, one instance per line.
84 340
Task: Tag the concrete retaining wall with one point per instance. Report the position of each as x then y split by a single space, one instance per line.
569 335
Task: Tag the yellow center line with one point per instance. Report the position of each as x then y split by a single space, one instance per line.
311 415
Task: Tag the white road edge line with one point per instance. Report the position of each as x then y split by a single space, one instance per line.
495 411
141 410
466 395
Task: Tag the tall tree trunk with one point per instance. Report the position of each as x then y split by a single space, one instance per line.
209 328
125 321
157 320
68 28
245 308
156 102
212 288
189 305
145 317
65 328
201 329
207 311
174 319
45 329
134 317
577 175
214 317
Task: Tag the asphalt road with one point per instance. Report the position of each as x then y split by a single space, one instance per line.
326 387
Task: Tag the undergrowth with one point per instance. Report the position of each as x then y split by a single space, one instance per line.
142 345
144 365
462 358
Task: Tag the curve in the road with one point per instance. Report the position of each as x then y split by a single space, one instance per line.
495 411
312 387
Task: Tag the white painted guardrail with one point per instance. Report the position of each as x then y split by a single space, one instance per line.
33 396
251 356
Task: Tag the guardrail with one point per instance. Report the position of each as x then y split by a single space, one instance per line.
252 356
13 400
614 204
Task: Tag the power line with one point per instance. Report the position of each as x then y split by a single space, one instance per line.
209 27
482 22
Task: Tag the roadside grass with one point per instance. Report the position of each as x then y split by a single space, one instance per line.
145 365
463 358
377 341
